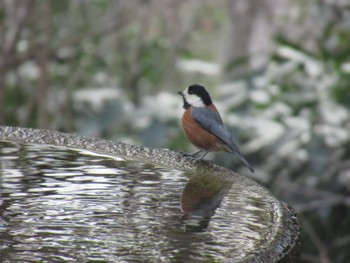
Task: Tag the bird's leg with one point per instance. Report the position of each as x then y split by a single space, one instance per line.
205 153
194 154
200 151
191 154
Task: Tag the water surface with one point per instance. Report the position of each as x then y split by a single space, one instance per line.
60 205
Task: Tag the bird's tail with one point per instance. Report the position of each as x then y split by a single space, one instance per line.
232 148
245 162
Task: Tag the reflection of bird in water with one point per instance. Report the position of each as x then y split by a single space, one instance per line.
199 200
203 125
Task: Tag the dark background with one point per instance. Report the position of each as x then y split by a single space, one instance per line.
279 72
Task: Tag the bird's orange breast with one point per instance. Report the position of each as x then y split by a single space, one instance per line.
198 136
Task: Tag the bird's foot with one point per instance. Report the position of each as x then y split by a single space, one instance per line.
197 156
192 155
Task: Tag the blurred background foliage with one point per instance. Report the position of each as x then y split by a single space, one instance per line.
279 72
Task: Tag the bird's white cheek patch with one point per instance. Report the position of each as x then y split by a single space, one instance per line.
194 100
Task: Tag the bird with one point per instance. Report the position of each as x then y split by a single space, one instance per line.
203 124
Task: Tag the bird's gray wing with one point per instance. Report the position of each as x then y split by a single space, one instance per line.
211 121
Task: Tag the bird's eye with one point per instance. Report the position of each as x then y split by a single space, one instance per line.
190 91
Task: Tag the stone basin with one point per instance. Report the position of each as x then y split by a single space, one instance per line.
67 198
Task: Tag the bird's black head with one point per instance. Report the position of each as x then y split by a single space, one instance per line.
195 96
201 92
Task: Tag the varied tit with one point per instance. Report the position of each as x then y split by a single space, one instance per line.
203 125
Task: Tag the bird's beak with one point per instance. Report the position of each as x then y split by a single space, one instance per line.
180 93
